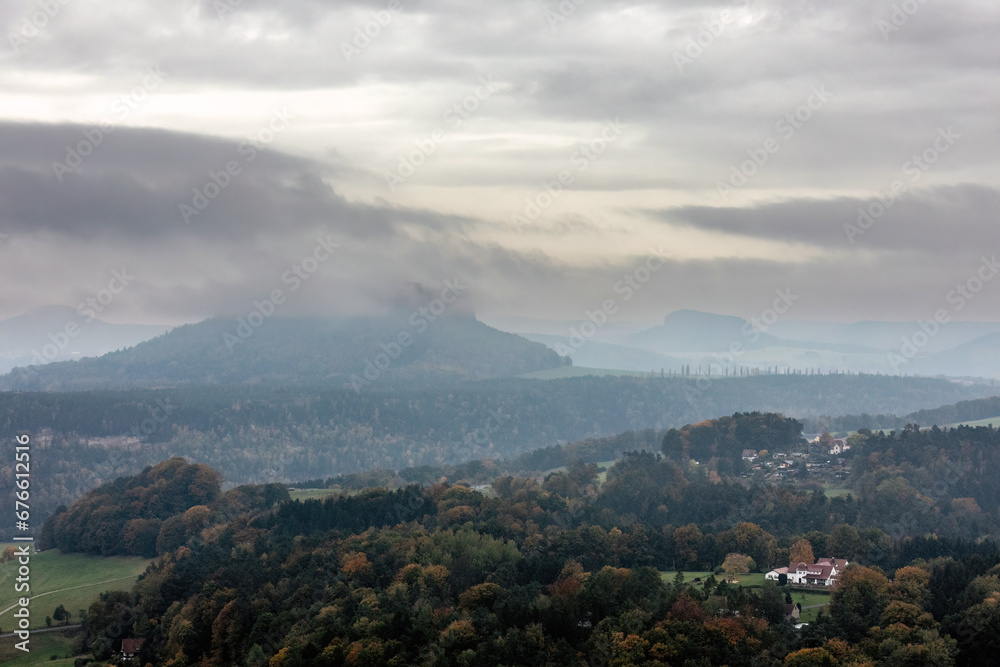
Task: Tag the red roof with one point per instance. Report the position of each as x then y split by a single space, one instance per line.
822 572
132 646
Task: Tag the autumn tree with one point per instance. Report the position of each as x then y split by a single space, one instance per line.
737 564
139 536
686 541
810 657
751 539
844 541
801 552
858 600
911 584
856 441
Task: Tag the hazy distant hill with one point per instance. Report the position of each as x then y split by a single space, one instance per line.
301 351
614 331
594 354
882 335
974 410
704 340
57 333
977 358
693 331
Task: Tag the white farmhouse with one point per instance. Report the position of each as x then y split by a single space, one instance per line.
823 572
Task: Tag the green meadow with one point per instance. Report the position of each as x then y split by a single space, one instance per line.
72 580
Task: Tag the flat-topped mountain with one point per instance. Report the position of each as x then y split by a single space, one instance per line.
287 351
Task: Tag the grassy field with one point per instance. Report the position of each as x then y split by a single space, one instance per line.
43 646
312 494
602 476
995 421
689 577
753 579
72 580
835 490
808 599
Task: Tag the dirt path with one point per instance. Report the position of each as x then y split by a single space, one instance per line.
63 590
54 628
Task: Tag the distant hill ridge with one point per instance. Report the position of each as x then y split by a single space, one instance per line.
285 351
59 333
695 331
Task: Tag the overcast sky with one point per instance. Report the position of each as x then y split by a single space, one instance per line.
738 139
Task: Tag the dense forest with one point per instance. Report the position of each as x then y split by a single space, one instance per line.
564 569
258 434
152 512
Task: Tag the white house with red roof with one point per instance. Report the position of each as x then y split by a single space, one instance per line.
823 572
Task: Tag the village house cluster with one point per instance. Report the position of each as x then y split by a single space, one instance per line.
818 457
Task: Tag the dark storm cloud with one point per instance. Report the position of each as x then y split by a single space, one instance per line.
134 182
942 220
120 208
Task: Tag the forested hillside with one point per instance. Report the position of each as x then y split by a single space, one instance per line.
963 411
568 571
152 512
263 434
